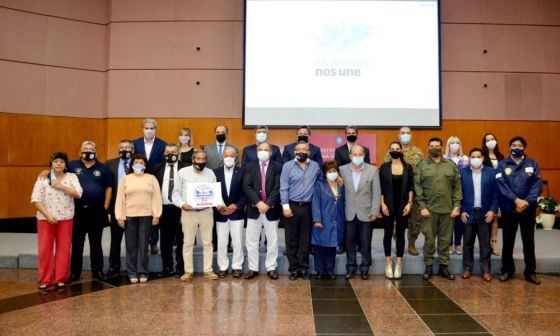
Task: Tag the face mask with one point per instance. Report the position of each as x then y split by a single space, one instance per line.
125 155
302 138
138 168
221 138
434 152
517 152
476 162
261 137
263 155
149 134
229 162
184 139
301 157
199 166
171 158
405 138
357 160
454 148
352 138
395 154
88 156
332 176
491 144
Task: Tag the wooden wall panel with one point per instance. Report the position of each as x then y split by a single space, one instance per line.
95 11
17 185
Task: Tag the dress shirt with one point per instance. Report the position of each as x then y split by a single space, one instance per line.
228 175
356 176
122 169
188 175
148 146
296 183
477 182
165 183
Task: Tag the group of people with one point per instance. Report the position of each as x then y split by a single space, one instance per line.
329 207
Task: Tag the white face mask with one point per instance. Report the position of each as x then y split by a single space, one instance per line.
491 144
357 160
454 148
138 168
149 134
263 155
229 162
332 176
405 138
261 137
184 139
476 162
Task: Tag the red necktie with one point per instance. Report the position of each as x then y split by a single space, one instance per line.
263 181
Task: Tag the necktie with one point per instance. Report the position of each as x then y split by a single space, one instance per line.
171 182
220 152
263 181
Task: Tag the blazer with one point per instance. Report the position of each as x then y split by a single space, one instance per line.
329 211
250 154
156 155
315 153
236 194
489 191
113 166
213 161
342 155
252 189
366 201
387 190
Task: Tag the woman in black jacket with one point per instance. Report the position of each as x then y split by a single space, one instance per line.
397 192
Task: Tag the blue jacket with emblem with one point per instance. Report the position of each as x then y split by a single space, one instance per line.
521 180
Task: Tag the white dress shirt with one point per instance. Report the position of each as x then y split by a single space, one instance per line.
228 174
477 182
165 183
148 146
185 176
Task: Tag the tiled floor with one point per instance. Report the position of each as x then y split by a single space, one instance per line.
410 306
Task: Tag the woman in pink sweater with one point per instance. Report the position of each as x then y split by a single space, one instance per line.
137 207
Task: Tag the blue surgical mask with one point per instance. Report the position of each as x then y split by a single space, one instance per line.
357 160
332 176
405 138
138 168
262 155
261 137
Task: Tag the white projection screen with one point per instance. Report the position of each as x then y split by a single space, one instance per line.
332 63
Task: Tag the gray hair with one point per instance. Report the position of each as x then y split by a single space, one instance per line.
231 149
88 142
262 127
149 121
355 128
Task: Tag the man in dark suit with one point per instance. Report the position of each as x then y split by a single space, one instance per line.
303 133
342 153
118 167
250 152
230 216
170 220
263 210
479 206
214 151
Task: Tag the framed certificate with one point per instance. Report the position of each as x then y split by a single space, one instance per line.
204 195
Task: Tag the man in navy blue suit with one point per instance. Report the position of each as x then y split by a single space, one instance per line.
250 152
478 209
303 133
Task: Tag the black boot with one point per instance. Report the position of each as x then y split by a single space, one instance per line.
444 273
428 272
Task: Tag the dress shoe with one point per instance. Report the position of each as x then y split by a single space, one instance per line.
319 276
466 275
166 272
99 276
532 278
251 274
330 275
43 287
428 272
349 275
304 274
398 271
211 275
412 248
60 285
487 277
459 250
293 276
112 273
72 278
236 273
340 250
178 273
273 275
222 274
505 277
365 275
444 273
389 270
187 277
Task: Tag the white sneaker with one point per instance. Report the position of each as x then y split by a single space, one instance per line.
451 250
398 271
389 270
459 249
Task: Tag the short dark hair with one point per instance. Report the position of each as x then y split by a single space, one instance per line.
328 165
59 155
355 128
128 141
520 139
137 157
475 149
436 139
304 126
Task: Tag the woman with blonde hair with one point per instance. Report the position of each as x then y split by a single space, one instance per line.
186 148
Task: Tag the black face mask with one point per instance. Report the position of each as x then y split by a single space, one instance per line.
221 138
352 138
171 158
199 166
125 155
88 156
301 157
395 154
517 152
302 138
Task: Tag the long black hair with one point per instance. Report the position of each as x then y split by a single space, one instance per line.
402 154
486 153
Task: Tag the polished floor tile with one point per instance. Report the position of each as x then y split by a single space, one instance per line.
452 323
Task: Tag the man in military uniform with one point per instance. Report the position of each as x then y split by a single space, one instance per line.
438 193
412 156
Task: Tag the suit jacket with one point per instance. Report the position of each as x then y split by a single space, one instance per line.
113 165
489 191
387 190
250 154
213 161
156 155
367 199
315 153
252 188
236 194
342 155
160 171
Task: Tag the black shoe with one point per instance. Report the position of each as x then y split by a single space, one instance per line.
99 276
319 276
444 273
505 277
178 273
365 275
293 276
112 273
330 275
251 275
428 272
304 274
340 250
273 275
166 272
532 278
222 274
72 278
349 275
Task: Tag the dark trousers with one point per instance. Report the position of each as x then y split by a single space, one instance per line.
298 234
116 240
324 258
90 221
526 222
400 230
458 230
358 231
137 232
171 231
479 228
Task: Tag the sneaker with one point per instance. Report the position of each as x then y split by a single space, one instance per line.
187 277
451 250
143 279
134 280
211 275
459 249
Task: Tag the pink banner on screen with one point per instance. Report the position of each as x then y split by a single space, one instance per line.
329 142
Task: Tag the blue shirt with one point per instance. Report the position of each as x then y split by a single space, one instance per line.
297 184
521 180
94 180
122 168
